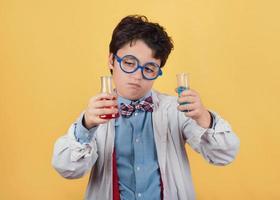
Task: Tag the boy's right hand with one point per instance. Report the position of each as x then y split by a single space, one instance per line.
96 107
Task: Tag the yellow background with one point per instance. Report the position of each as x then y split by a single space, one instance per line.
53 52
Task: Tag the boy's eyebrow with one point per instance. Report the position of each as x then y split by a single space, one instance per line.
154 61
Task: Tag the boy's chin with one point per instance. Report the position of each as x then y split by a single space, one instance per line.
132 96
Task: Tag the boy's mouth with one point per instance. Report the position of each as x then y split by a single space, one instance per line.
134 85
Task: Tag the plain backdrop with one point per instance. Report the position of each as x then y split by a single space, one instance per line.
52 54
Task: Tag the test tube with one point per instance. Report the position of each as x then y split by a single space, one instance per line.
107 87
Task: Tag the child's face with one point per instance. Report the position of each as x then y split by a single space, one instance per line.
133 86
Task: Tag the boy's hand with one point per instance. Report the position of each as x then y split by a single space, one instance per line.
101 104
194 108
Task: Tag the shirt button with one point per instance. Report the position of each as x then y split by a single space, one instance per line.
137 140
135 113
139 194
138 169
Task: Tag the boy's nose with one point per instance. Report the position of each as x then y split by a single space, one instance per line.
138 74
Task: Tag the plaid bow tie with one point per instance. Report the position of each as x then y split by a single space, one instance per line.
128 109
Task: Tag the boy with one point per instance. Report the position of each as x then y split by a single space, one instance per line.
141 154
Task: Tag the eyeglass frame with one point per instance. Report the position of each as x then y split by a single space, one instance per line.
119 60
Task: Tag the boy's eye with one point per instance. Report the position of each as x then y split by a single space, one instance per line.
129 63
149 70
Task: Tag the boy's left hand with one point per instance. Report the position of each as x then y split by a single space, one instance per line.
194 108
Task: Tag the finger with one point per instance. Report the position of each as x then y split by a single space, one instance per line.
105 103
192 113
104 96
92 117
105 111
188 99
188 107
189 92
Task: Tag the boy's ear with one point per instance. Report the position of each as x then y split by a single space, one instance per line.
110 61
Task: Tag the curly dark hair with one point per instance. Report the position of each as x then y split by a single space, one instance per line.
137 27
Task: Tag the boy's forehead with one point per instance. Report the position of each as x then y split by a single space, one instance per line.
139 49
